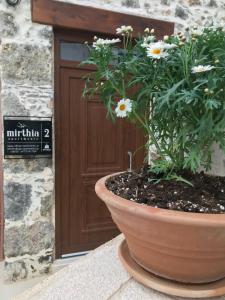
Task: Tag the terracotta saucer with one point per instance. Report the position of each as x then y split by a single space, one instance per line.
207 290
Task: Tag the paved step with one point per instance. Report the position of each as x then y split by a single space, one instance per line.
96 276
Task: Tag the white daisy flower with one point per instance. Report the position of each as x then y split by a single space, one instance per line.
124 29
102 42
156 50
124 106
201 68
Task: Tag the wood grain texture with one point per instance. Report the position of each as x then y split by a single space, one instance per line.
88 146
73 16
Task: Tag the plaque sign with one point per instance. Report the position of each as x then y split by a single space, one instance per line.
26 137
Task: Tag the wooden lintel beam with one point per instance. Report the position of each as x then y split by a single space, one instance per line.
73 16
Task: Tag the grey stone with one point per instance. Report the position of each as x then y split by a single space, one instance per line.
165 2
8 27
46 205
15 270
212 3
131 3
46 32
17 200
181 12
11 105
28 266
30 63
27 165
31 239
194 2
147 6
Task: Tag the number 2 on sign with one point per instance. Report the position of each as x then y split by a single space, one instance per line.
46 131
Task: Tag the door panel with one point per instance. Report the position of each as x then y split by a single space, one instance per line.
91 147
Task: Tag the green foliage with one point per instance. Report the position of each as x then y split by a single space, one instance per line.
182 112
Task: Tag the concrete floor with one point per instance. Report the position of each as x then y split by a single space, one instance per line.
10 291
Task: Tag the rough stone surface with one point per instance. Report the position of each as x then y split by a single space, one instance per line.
29 166
26 62
7 24
16 271
11 104
131 3
17 198
22 240
181 12
28 266
46 205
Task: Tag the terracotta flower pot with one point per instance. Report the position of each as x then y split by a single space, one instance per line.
186 247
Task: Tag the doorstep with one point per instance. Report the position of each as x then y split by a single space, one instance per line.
96 276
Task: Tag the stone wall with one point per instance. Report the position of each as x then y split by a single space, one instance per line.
26 64
26 90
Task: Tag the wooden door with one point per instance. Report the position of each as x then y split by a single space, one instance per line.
88 146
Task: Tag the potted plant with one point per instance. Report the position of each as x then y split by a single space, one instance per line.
171 211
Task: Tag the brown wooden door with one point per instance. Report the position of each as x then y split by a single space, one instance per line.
88 146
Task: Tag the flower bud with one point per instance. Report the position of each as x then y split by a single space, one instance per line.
206 90
217 61
147 30
166 37
152 30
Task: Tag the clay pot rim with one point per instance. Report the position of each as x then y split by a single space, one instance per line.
172 216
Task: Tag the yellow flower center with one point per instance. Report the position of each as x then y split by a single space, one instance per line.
122 107
156 51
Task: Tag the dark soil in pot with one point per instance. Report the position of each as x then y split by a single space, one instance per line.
207 195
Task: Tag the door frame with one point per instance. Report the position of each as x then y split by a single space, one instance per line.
67 23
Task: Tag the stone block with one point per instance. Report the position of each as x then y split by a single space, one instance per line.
28 166
11 105
24 239
8 26
27 266
165 2
194 2
181 12
17 200
25 62
212 3
131 3
46 205
16 270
